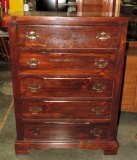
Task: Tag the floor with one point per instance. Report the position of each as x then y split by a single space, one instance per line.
127 130
5 78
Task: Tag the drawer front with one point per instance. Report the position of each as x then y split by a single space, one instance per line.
57 36
67 109
67 63
68 131
66 87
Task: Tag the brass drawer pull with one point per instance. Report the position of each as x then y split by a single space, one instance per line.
33 87
96 132
31 35
35 131
97 110
35 110
103 36
33 63
101 63
99 88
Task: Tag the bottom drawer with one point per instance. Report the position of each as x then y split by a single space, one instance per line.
66 131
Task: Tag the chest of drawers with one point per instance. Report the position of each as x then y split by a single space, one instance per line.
67 78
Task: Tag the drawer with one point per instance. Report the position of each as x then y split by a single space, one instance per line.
58 36
67 109
66 87
69 131
67 63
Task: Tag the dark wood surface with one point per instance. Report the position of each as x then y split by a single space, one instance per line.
97 5
67 78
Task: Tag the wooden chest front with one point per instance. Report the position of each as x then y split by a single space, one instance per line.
67 82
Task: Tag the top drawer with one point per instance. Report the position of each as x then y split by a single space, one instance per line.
57 36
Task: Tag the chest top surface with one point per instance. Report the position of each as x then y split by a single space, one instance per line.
83 18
